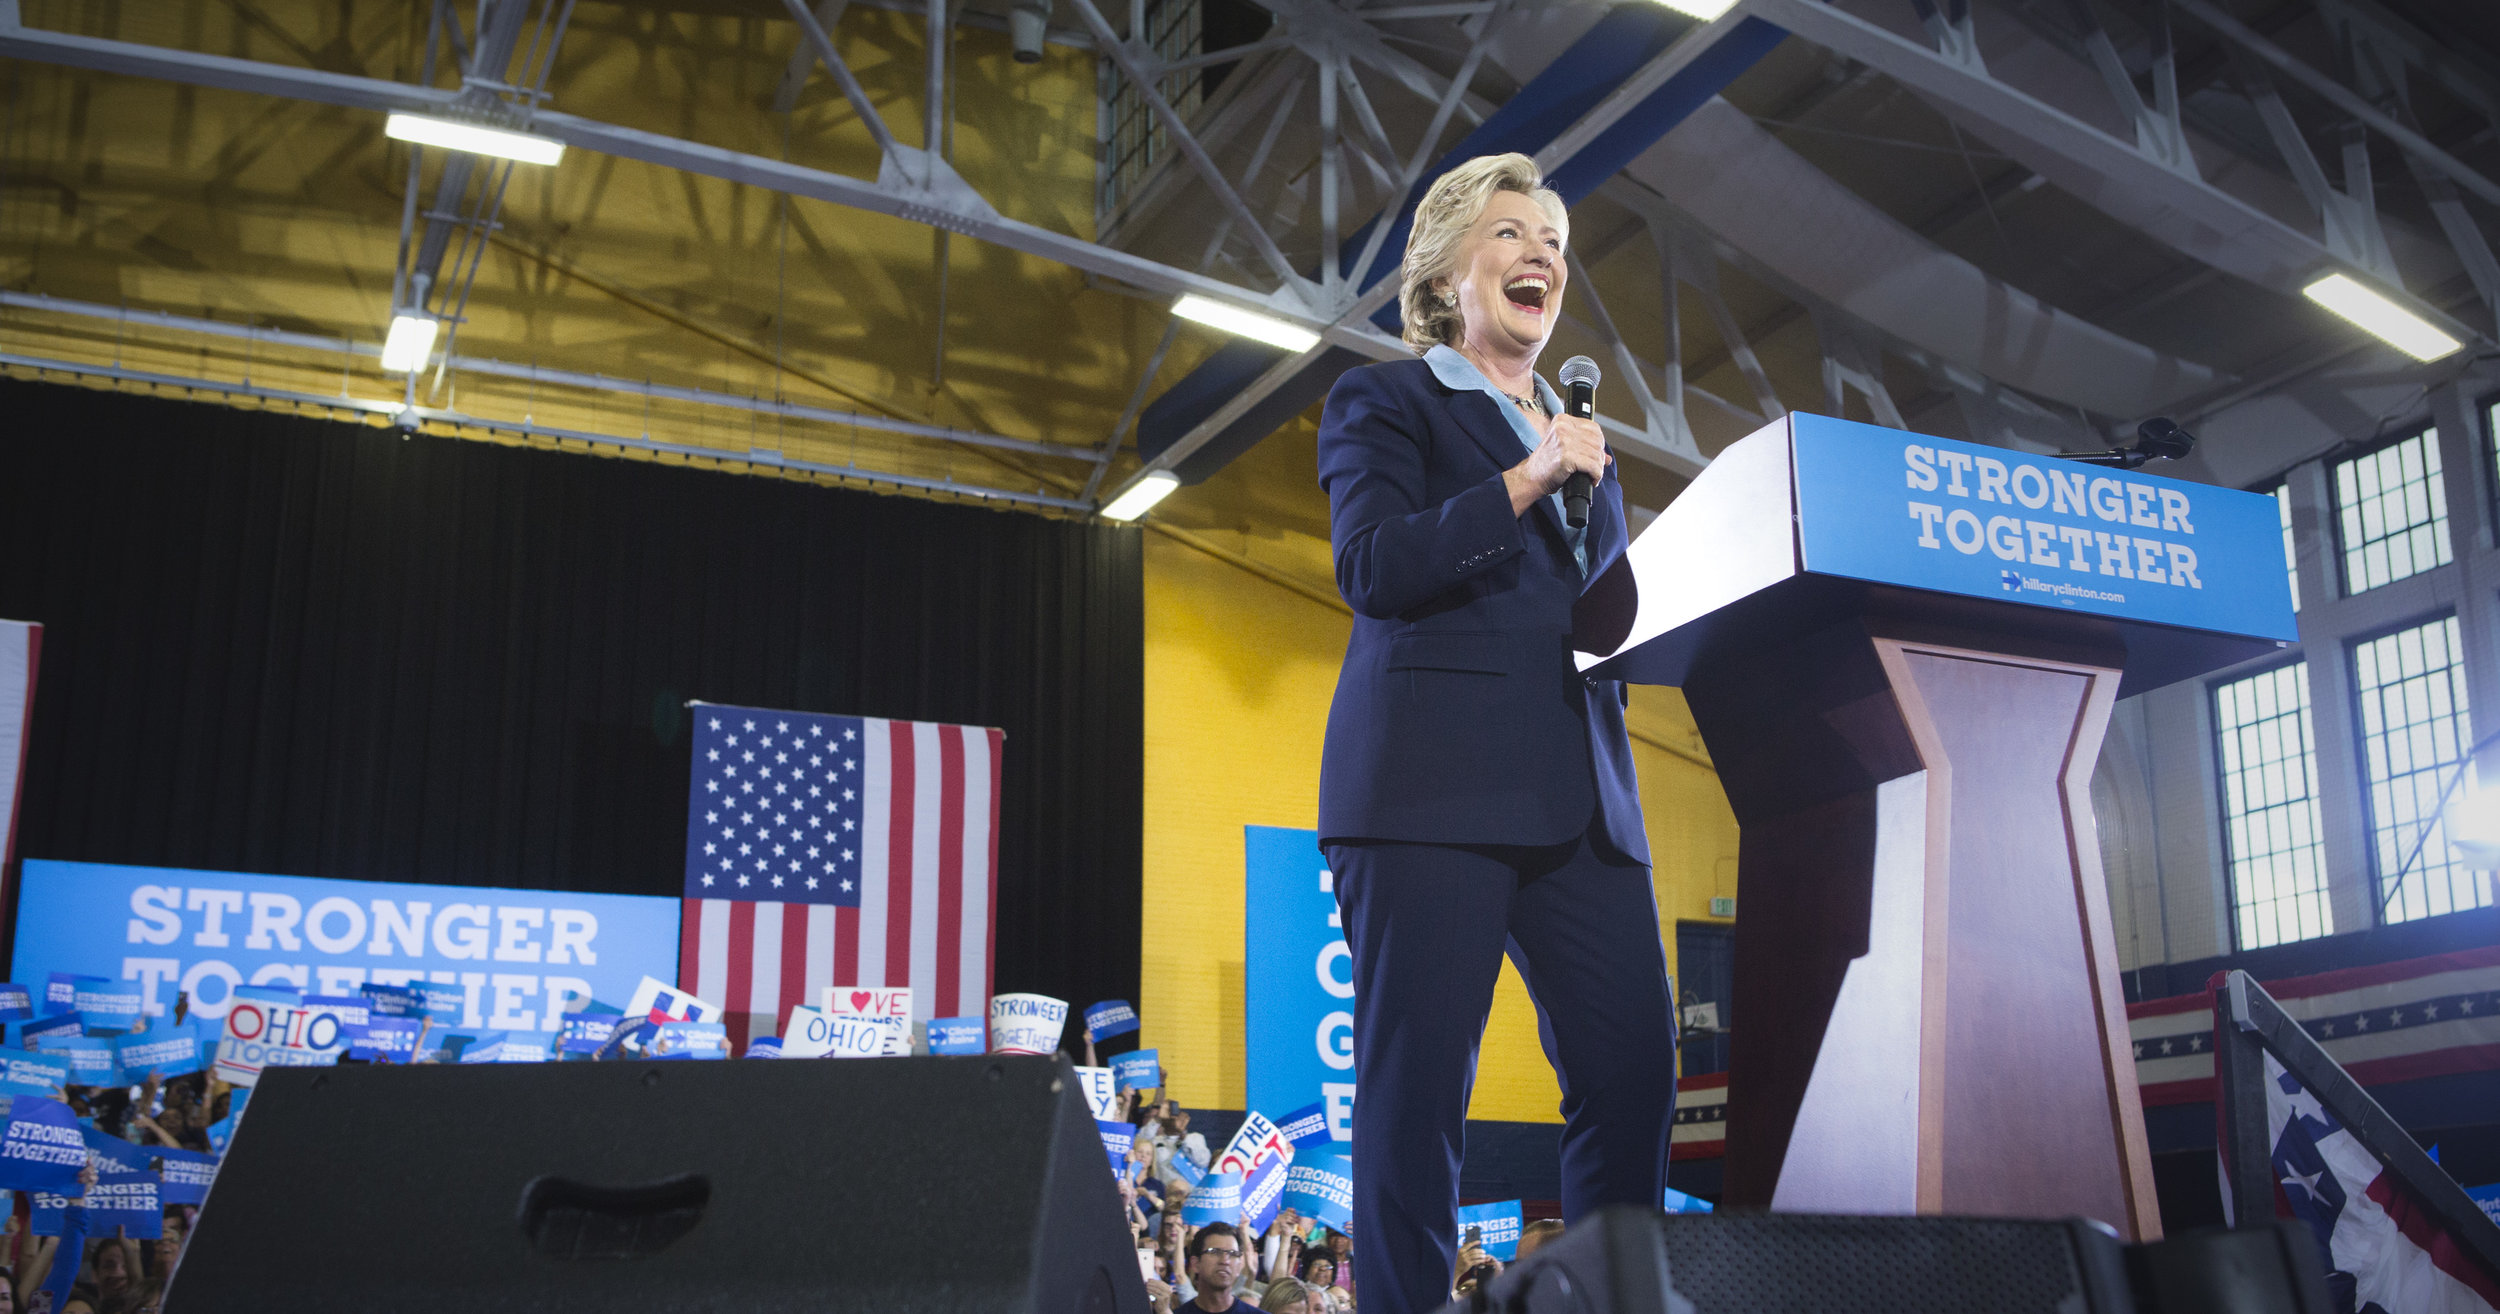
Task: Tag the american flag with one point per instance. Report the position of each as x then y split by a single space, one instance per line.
838 850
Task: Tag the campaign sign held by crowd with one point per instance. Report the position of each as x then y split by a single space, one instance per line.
1111 1017
1117 1136
764 1047
1321 1185
653 995
105 1006
1256 1142
43 1147
385 1040
1305 1126
34 1033
957 1035
114 1152
1189 1173
31 1072
703 1040
584 1032
1298 994
17 1003
60 991
487 1048
186 1175
1262 1193
813 1033
888 1005
1100 1093
1492 1226
167 1051
1139 1069
90 1059
507 956
1216 1199
127 1199
392 1001
1026 1024
266 1027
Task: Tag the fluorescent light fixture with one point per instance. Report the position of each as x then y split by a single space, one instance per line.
1248 323
1142 495
1704 10
452 134
410 342
2373 311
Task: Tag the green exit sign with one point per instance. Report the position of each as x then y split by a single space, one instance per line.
1722 907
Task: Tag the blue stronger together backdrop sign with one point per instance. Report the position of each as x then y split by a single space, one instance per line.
1899 508
512 954
1298 991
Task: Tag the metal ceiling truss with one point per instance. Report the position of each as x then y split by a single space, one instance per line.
2150 182
1352 283
633 390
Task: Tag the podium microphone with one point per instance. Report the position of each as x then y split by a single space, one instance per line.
1579 377
2157 439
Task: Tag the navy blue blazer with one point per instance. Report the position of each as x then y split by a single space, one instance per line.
1460 717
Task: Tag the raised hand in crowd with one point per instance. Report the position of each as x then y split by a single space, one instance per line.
1162 1293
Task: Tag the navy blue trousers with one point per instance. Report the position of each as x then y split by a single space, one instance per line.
1429 926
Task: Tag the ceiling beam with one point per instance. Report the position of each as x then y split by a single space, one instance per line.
951 204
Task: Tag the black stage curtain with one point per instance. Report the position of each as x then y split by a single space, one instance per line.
287 645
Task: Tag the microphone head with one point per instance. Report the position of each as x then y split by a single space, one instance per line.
2162 438
1578 369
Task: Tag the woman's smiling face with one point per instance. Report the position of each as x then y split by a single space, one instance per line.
1510 276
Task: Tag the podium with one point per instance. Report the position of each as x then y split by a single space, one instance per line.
1902 652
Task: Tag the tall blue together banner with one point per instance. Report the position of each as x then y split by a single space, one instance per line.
1298 993
503 959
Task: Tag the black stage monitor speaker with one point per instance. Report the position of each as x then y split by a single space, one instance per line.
898 1184
1631 1261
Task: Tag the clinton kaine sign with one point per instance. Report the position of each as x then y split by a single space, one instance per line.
1994 523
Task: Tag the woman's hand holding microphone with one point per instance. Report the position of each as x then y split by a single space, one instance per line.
1572 446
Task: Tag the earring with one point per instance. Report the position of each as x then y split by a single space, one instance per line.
1449 298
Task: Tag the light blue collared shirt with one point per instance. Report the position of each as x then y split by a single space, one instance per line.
1455 371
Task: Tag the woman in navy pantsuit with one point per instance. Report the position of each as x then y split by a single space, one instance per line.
1476 793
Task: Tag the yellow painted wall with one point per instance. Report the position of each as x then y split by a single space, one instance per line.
1239 672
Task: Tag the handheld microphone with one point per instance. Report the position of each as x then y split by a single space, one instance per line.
1579 377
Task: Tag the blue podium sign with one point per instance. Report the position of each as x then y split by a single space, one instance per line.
1898 508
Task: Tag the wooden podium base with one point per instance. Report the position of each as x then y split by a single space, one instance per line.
1927 1016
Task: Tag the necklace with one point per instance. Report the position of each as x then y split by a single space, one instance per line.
1531 403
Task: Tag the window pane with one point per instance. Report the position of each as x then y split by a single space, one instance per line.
2270 806
2393 511
2414 716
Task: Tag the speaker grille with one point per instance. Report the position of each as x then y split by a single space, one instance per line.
1771 1265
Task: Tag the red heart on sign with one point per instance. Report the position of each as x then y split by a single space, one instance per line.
860 999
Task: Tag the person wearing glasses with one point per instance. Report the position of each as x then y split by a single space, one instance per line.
1215 1260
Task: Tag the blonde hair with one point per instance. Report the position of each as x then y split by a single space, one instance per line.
1443 219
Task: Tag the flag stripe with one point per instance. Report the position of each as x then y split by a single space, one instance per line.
711 980
948 949
733 995
876 894
902 841
690 942
796 921
989 885
928 843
